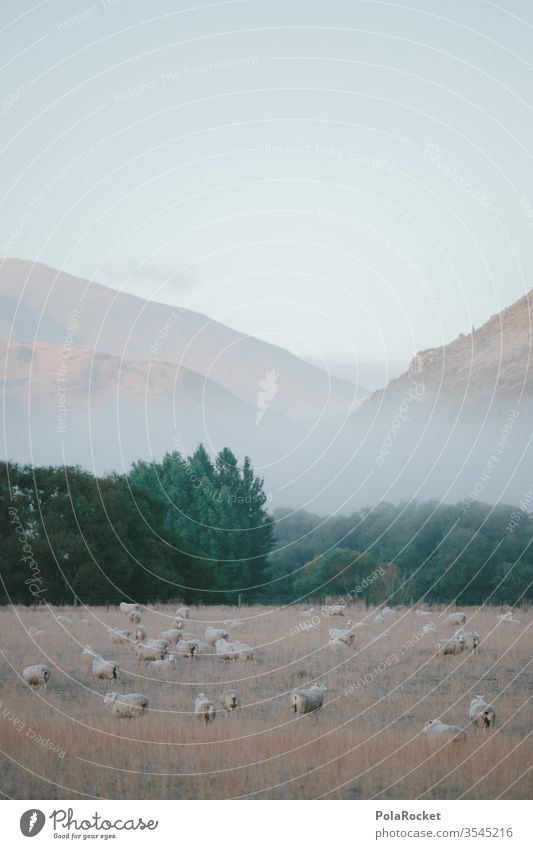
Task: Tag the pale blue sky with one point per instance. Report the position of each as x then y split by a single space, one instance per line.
341 178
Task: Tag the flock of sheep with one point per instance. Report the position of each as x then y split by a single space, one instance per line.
162 653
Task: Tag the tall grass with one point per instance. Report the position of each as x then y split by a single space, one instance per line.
366 742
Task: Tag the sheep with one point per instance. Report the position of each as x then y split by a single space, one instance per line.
64 620
179 624
88 651
428 628
334 609
453 646
144 652
353 624
244 651
36 675
481 714
306 700
230 700
135 617
379 617
159 643
125 607
204 708
472 638
214 634
173 635
105 669
127 705
388 611
438 732
186 648
508 617
419 612
139 635
119 636
337 645
344 636
457 618
234 651
183 612
166 665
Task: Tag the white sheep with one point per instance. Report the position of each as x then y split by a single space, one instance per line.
244 651
125 607
89 652
344 636
183 612
105 669
119 635
64 620
457 618
508 617
204 708
159 643
472 638
173 635
438 732
135 617
186 648
428 628
230 700
234 651
388 611
337 645
455 645
334 609
139 635
379 617
37 676
482 714
145 653
166 665
306 700
179 624
354 624
214 634
127 705
419 612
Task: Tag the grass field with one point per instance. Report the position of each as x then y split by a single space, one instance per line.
365 742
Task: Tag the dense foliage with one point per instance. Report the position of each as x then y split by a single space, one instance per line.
437 552
196 529
184 528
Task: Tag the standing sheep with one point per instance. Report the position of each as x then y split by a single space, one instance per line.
344 636
135 617
183 612
481 714
472 638
36 676
105 669
306 700
230 700
457 618
214 634
453 646
125 607
139 635
166 665
119 635
127 705
186 648
144 652
173 635
205 709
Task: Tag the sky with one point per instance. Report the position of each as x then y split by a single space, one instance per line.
350 180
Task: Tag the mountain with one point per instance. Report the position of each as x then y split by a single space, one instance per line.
41 304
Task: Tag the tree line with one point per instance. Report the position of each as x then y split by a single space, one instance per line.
197 529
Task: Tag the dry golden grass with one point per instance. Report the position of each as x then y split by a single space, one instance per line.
366 742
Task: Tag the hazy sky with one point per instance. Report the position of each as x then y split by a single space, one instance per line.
342 178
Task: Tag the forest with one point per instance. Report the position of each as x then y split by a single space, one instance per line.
197 530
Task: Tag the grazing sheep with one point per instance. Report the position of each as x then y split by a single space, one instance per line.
234 651
135 616
119 636
166 665
125 607
230 700
438 732
179 624
139 635
379 617
388 611
472 638
214 634
419 612
308 699
334 609
205 709
173 635
159 643
183 612
344 636
186 648
244 651
145 653
457 618
37 676
65 620
428 628
453 646
127 705
105 669
481 714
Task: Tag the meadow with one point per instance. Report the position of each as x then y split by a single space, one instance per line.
365 743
